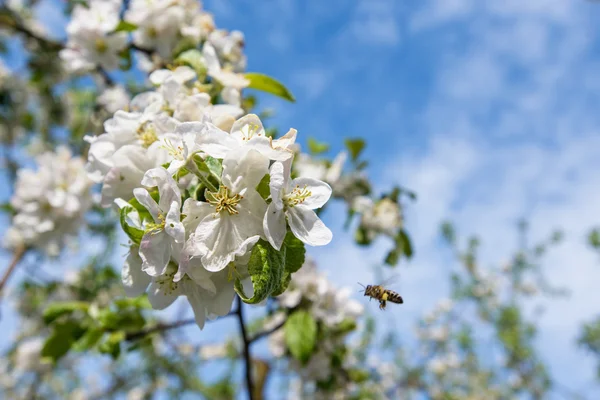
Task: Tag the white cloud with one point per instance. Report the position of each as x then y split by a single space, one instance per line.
376 22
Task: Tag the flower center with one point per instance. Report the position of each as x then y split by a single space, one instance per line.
156 227
174 151
167 286
224 200
249 131
147 134
101 46
297 196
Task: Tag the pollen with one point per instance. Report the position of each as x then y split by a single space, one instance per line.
147 135
174 151
249 131
223 200
297 196
101 46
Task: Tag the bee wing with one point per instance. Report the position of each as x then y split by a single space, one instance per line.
390 280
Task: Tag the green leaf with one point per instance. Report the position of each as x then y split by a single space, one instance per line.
60 341
265 267
125 26
404 243
358 375
392 257
7 207
403 247
361 236
263 187
134 234
300 332
91 337
270 85
294 254
55 310
355 147
192 58
112 344
316 148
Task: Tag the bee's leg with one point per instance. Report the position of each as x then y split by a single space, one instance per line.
382 304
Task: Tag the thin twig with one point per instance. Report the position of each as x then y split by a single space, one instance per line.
246 348
13 21
161 327
267 332
158 328
17 256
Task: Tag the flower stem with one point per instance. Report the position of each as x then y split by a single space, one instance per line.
246 349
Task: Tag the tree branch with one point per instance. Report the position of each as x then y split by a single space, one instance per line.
158 328
246 349
17 256
267 332
10 20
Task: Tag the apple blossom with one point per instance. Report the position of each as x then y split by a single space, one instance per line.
294 201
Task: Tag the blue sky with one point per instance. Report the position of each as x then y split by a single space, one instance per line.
488 110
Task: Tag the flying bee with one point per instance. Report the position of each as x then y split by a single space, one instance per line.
381 294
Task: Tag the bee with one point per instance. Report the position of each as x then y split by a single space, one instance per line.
381 294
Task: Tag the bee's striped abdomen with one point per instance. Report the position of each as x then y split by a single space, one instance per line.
394 297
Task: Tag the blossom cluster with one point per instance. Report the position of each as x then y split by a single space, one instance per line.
331 307
194 170
50 202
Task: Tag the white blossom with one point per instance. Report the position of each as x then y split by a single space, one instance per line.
231 219
294 201
50 202
114 98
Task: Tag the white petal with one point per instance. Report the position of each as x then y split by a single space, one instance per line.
173 225
244 168
277 183
320 192
247 127
215 142
274 226
167 187
201 277
195 211
162 295
135 281
155 251
220 240
306 226
221 303
144 198
335 171
194 296
286 141
264 146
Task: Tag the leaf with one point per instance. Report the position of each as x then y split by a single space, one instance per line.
263 187
361 236
134 234
55 310
403 242
317 147
192 58
209 166
112 344
91 337
355 147
300 332
266 269
294 254
125 26
60 341
267 84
